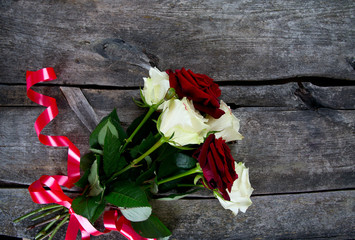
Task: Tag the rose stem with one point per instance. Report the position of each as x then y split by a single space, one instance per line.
160 142
43 233
55 230
37 211
151 110
197 169
46 214
45 229
42 223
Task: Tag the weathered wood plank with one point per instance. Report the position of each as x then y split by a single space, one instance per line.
81 107
283 96
296 148
112 42
332 97
299 150
299 216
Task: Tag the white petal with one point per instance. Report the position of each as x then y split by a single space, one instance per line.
227 126
156 86
240 192
180 118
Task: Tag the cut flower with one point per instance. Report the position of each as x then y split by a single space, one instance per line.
217 164
180 121
155 87
240 192
227 126
199 88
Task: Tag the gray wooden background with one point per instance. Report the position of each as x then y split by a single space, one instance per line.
287 68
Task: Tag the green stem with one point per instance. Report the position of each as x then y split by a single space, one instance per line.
151 110
46 214
197 169
43 231
55 230
37 211
160 142
42 223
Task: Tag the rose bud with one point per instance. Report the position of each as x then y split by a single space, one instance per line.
199 88
182 122
227 126
217 164
155 87
240 193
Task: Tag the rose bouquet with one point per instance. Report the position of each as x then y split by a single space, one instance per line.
177 147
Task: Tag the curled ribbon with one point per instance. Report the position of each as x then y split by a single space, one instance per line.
39 194
73 168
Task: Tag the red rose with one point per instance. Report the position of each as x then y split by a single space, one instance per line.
199 88
217 164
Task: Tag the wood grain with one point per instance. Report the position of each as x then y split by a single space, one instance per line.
81 107
297 216
298 150
286 68
288 96
112 42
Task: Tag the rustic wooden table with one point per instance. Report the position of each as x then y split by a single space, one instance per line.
287 68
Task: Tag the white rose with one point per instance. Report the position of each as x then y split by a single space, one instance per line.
180 118
240 192
227 126
156 86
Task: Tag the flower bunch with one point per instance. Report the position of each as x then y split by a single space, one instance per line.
179 143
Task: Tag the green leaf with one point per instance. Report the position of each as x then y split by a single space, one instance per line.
151 228
145 145
112 161
83 181
94 137
126 194
168 166
149 174
97 151
174 163
122 135
103 132
184 161
89 207
165 187
138 214
86 161
172 197
166 152
154 188
93 178
164 238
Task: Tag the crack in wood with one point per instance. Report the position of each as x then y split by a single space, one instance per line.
118 51
307 98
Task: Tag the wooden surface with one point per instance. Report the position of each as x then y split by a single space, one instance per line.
287 69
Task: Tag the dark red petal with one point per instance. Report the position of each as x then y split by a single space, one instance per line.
214 112
230 167
216 175
217 159
202 158
174 83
